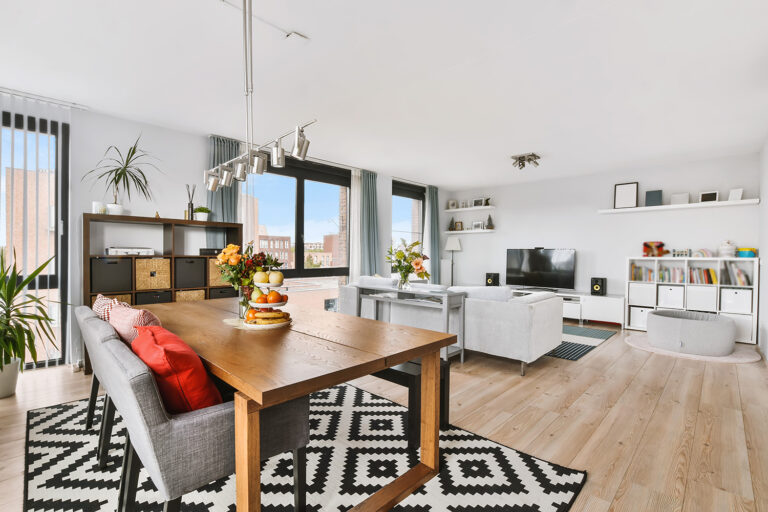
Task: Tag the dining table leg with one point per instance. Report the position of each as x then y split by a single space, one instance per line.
247 454
429 466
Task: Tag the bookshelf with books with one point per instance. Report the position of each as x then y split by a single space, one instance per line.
723 286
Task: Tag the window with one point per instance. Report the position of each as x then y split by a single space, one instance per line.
300 214
407 212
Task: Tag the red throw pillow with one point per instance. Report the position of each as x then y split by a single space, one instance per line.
181 378
124 321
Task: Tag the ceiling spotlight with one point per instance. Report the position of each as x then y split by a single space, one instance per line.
212 179
278 155
226 176
520 161
259 161
241 169
300 144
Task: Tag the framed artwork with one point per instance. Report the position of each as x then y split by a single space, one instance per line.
478 202
478 224
464 204
735 194
709 197
458 226
625 195
653 198
453 204
681 198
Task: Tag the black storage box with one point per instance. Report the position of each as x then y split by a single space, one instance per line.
152 297
190 272
220 293
111 275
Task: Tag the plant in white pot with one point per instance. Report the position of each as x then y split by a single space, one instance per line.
23 319
124 173
202 213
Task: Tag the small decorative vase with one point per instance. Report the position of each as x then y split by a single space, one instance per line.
190 211
245 297
727 249
98 207
403 283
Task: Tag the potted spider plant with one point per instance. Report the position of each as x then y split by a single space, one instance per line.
23 318
124 173
201 213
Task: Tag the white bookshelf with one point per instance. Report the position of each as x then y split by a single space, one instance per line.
738 302
686 206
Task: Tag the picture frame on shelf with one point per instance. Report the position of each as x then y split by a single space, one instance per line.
458 226
709 197
478 224
625 195
478 202
736 194
463 204
681 198
453 204
653 198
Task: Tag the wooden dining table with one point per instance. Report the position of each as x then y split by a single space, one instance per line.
319 350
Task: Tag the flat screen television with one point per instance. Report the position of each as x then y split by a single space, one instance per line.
543 268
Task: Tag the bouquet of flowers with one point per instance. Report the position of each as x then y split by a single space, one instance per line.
238 268
407 259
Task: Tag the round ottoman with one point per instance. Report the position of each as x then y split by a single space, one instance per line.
691 332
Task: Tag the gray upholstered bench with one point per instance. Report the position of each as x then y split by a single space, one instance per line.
691 332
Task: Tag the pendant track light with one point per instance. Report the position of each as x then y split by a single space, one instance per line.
254 160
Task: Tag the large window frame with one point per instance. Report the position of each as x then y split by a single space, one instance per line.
304 171
412 191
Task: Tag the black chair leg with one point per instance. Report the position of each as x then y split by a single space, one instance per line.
300 479
445 395
129 479
107 420
92 402
414 413
172 506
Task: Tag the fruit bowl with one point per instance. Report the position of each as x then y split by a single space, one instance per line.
257 327
267 285
264 305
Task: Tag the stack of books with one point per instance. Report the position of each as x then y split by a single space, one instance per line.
702 276
734 276
671 275
641 273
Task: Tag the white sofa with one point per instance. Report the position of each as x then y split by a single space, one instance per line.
498 320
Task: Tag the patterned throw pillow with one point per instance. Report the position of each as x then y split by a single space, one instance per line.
124 321
103 305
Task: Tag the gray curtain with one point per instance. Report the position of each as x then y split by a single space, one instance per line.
369 224
223 202
434 234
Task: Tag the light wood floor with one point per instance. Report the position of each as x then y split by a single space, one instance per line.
655 433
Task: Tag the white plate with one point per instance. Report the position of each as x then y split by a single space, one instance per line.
257 327
258 305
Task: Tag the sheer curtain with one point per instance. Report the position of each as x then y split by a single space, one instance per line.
223 202
432 234
355 253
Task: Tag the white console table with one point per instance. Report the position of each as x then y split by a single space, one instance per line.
445 301
597 308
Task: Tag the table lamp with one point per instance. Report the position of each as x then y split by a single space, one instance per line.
452 244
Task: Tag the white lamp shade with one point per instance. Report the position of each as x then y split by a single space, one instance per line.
452 244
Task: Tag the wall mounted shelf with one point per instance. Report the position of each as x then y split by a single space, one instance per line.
469 209
469 231
711 204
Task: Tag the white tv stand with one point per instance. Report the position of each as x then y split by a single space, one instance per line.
583 306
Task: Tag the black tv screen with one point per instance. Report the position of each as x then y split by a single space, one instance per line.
545 268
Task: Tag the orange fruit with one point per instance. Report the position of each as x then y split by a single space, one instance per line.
274 297
261 299
250 316
285 298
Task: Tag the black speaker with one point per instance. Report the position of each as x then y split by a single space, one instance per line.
598 286
491 279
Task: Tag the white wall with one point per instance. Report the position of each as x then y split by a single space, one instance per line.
563 214
763 308
180 156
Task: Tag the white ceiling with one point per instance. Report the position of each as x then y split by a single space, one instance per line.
440 92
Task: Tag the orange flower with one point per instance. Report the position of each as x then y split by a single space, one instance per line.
222 258
231 249
418 265
235 259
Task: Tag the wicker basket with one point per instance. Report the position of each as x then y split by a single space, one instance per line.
153 273
190 295
214 274
122 298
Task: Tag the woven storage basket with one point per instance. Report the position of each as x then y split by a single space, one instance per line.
190 295
122 298
153 273
214 275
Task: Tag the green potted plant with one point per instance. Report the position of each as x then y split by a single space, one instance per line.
124 173
23 318
201 213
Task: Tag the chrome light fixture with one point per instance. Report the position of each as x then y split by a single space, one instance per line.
278 154
254 160
520 161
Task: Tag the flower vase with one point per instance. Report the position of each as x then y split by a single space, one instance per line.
403 283
245 297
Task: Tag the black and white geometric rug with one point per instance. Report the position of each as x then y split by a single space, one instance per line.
579 341
358 444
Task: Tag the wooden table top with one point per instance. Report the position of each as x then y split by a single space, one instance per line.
321 349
